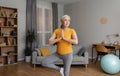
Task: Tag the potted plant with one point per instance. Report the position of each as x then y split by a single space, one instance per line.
30 38
28 52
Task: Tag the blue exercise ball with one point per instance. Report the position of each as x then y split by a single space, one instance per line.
110 64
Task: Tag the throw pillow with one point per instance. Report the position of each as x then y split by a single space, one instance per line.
45 51
81 51
38 52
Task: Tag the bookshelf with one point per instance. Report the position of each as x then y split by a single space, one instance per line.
8 36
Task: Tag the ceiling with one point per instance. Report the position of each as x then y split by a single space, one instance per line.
63 1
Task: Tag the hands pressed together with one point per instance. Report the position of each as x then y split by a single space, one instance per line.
62 36
53 39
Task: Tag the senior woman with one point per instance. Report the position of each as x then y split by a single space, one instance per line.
63 37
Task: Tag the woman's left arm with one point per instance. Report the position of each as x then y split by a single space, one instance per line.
73 40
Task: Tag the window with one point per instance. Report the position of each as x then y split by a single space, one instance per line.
44 25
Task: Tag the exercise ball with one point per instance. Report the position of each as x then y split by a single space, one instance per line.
110 64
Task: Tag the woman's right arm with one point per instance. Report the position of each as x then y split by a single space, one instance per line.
53 39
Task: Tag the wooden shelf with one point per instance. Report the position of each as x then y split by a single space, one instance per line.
8 27
8 35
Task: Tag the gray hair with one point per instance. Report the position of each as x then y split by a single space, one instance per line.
66 16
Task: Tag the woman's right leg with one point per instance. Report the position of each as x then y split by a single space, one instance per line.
49 61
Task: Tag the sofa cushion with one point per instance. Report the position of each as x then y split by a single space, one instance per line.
52 48
45 51
78 58
76 49
38 51
81 51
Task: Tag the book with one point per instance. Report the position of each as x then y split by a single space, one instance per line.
0 23
4 14
1 64
0 12
14 15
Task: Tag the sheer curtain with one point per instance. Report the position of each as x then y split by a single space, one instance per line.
44 23
31 23
47 21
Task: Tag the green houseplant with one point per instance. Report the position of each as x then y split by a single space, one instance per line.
30 38
28 51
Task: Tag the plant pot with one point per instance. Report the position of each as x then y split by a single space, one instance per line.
27 58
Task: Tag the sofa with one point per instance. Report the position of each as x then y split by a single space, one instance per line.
80 55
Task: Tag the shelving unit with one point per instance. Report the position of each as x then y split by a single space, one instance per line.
8 36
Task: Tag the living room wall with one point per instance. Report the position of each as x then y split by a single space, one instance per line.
86 16
21 6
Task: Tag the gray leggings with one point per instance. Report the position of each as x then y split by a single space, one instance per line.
67 60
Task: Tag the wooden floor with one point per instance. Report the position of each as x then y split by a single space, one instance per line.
26 69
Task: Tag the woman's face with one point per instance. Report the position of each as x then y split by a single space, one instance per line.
65 22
